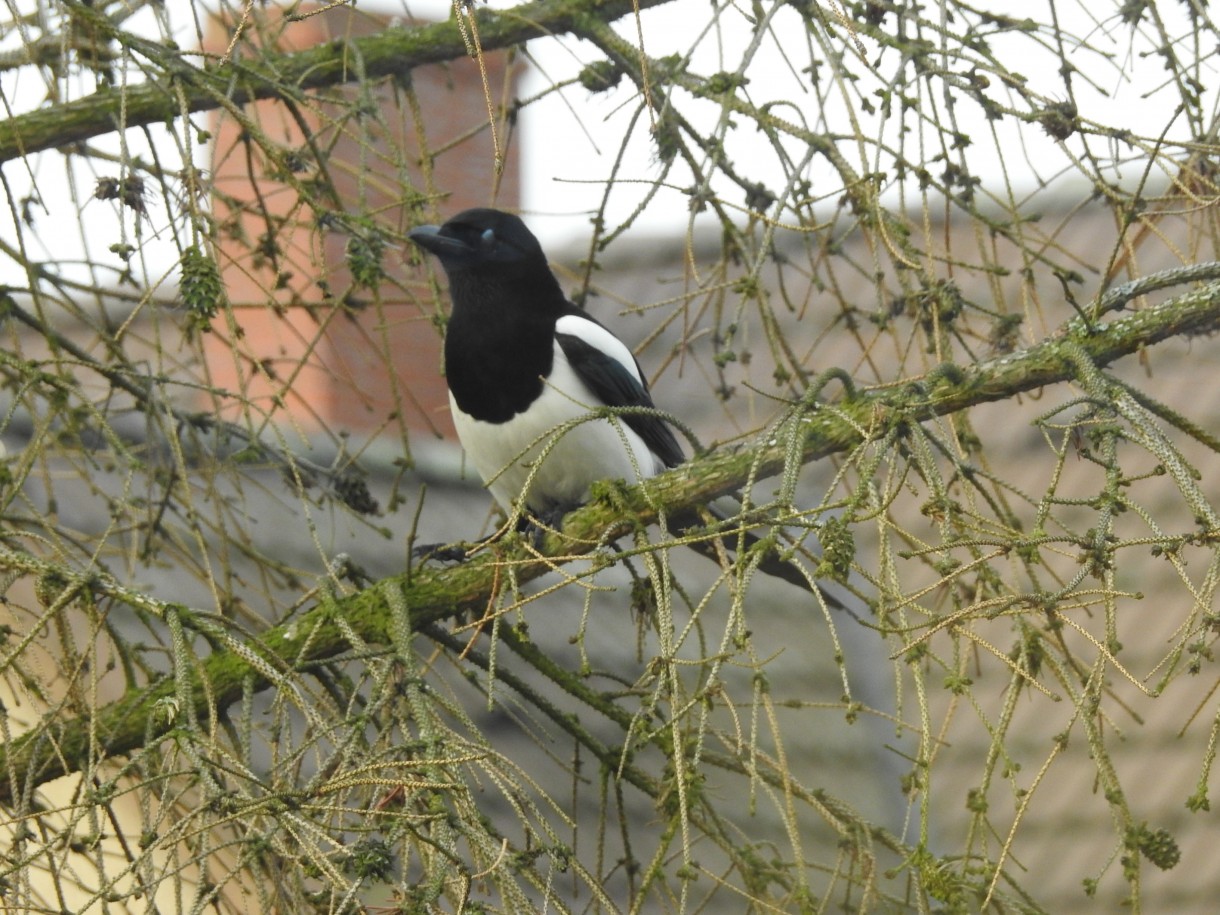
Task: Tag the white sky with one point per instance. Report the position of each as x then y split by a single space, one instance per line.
569 148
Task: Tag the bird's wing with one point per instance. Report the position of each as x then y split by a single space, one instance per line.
604 363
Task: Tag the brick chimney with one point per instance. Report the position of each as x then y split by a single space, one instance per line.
303 344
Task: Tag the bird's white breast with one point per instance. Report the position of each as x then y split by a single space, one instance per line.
555 439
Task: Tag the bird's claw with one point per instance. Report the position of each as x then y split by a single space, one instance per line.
442 552
532 527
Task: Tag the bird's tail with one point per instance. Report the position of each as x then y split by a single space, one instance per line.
726 521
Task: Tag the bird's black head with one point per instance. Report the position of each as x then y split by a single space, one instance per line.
496 268
482 239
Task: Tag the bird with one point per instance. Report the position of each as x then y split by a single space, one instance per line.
528 372
530 375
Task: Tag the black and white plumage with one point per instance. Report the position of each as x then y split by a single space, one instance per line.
526 368
527 373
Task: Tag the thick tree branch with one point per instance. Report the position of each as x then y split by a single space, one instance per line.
186 88
431 595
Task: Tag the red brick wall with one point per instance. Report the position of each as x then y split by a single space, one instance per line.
293 344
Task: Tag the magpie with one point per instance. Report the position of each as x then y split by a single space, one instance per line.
527 372
526 368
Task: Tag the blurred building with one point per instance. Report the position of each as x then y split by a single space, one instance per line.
315 354
373 369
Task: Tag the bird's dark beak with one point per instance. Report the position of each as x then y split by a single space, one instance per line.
443 246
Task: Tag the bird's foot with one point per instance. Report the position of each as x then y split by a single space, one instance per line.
444 552
535 526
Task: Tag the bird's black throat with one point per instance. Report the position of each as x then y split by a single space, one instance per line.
499 345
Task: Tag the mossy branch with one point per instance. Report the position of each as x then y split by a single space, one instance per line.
186 88
432 595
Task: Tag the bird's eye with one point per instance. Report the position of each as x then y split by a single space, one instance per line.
488 238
